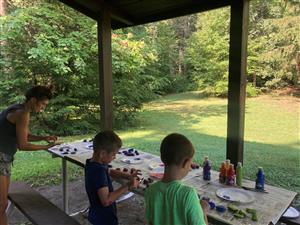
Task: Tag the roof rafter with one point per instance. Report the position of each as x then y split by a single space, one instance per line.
98 7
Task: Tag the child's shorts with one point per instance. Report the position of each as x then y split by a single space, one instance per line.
5 164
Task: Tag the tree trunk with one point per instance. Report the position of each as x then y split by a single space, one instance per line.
254 80
3 7
184 27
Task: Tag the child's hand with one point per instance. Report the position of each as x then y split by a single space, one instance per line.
135 173
50 139
205 206
133 183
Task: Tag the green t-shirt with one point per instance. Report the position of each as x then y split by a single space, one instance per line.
173 204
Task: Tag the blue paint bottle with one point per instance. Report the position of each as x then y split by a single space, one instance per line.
260 179
206 169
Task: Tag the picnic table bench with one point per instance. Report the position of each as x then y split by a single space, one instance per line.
37 208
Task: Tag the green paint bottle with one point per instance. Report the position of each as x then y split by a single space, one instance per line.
239 174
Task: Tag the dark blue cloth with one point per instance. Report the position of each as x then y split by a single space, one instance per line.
8 137
96 177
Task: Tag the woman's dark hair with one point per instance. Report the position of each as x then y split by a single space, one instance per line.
39 92
174 148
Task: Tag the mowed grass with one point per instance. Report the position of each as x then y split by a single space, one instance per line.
271 137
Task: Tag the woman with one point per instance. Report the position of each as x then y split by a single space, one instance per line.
14 133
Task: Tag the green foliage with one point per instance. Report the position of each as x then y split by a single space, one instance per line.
207 53
252 91
274 44
47 44
132 83
273 49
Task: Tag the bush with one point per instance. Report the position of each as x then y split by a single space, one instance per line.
252 91
221 90
177 84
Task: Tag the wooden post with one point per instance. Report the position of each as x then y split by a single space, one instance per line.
105 70
237 80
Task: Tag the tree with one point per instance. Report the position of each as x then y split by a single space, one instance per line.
274 43
51 44
207 52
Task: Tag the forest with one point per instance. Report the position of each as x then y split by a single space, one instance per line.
46 42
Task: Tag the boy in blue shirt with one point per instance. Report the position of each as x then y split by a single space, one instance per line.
168 201
98 182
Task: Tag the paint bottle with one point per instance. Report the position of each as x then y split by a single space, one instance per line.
206 169
260 179
230 175
239 174
222 174
227 163
227 166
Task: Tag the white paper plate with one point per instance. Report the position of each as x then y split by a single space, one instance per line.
124 197
131 160
156 165
291 212
159 169
235 195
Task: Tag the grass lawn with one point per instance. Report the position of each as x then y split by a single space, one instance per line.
271 137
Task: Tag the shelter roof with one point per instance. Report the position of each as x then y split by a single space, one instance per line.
125 13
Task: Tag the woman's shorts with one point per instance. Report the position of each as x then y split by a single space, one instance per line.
5 164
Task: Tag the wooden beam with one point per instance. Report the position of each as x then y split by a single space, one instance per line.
237 80
105 69
92 8
120 17
115 13
80 8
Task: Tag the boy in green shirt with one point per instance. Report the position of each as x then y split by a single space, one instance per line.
169 202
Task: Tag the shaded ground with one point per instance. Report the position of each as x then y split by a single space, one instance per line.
130 211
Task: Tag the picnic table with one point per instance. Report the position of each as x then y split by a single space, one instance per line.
270 205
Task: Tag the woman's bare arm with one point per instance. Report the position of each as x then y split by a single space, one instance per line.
22 123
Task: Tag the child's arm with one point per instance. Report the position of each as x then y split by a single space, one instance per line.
107 198
205 207
119 174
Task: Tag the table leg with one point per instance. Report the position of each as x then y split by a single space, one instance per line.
65 186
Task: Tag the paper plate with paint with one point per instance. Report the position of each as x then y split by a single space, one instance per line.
158 172
235 195
131 160
156 166
89 147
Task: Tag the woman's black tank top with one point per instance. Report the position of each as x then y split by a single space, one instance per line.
8 139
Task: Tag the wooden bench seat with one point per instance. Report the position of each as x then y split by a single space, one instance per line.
37 208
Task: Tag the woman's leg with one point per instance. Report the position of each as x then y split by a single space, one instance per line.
4 184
